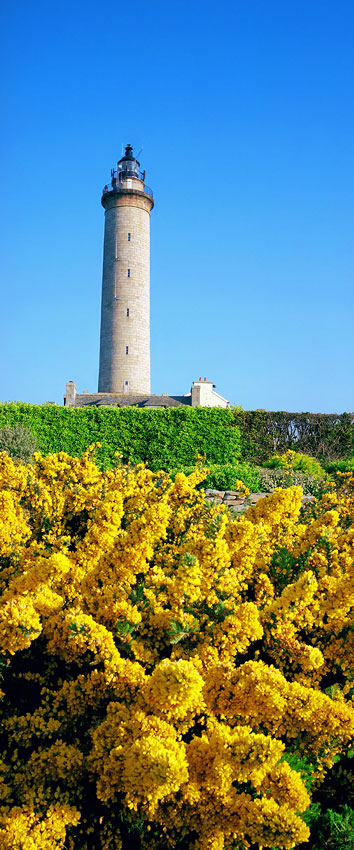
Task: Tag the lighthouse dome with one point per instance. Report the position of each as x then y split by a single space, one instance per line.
128 166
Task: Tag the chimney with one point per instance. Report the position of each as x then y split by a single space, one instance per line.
70 394
202 393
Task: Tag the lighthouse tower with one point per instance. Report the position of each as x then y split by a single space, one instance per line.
125 310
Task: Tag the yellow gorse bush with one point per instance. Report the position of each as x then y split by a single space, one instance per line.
161 659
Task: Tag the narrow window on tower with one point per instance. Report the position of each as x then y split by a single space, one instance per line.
128 237
128 272
126 349
127 311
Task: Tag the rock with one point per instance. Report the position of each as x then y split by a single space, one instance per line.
232 502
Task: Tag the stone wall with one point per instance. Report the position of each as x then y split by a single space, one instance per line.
238 502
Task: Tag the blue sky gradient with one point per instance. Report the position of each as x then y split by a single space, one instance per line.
244 111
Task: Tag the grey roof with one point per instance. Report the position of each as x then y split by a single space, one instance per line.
183 399
130 400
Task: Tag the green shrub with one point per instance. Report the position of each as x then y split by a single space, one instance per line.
161 438
311 485
296 461
258 479
344 465
222 476
18 442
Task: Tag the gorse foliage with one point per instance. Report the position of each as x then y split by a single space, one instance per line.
172 677
337 830
344 465
297 462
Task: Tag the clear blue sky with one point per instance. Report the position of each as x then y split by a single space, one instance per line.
244 111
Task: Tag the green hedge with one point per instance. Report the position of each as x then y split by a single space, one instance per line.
326 436
164 439
167 439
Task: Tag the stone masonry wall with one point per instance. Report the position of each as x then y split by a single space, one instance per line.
238 502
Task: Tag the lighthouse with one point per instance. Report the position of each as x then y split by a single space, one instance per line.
125 307
124 372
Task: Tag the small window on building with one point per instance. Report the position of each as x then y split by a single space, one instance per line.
128 272
127 349
128 237
127 311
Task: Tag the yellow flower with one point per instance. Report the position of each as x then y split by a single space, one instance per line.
160 656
